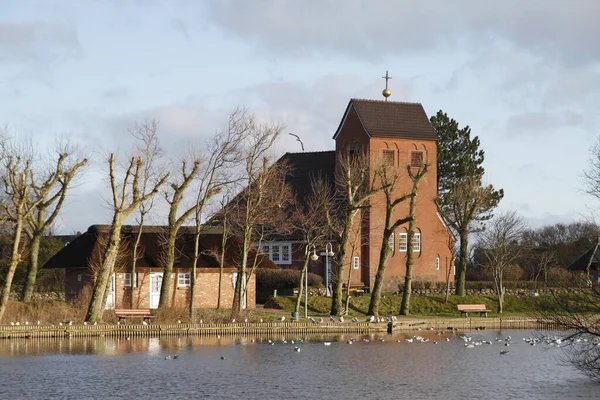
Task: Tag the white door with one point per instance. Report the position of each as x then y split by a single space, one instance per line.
110 299
155 284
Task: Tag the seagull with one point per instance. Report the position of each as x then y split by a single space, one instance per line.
297 349
281 319
298 139
327 343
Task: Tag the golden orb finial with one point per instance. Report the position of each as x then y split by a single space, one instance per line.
386 92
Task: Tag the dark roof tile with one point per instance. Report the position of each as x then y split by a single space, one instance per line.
392 119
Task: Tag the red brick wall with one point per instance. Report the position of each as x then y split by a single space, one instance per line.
206 293
434 235
353 137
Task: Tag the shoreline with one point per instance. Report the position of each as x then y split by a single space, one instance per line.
135 330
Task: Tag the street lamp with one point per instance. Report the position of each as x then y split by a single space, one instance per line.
313 257
328 253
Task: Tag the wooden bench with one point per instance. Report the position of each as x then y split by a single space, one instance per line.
123 314
467 308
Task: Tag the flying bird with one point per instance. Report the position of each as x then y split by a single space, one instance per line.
298 139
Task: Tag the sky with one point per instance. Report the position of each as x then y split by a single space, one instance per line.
525 76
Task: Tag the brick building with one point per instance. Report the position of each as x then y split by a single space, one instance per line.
399 134
81 256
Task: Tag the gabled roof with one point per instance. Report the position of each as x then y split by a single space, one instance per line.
590 258
77 253
392 119
306 167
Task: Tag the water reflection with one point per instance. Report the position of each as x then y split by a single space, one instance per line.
267 366
155 345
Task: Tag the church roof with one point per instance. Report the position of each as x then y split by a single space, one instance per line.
306 167
391 119
86 248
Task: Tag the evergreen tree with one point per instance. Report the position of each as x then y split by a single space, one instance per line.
462 199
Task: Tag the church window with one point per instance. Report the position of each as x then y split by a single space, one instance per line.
388 158
416 159
403 242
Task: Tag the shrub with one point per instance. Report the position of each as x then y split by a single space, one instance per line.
268 280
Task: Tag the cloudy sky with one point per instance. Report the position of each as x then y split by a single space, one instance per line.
524 75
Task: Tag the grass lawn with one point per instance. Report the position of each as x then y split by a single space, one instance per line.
426 306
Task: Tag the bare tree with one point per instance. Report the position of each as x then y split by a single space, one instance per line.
261 199
17 205
501 247
146 134
388 176
415 178
174 222
215 174
49 193
126 198
355 188
308 221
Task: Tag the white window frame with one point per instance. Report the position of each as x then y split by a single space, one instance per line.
283 251
127 279
417 242
403 242
437 263
79 277
184 279
391 242
356 262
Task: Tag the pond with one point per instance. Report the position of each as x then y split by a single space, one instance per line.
387 366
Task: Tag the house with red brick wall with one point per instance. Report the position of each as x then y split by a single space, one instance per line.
399 134
81 257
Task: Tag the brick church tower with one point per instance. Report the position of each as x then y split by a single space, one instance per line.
399 134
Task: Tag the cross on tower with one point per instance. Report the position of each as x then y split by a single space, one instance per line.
387 78
386 92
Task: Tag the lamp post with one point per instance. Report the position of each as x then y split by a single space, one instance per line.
328 253
313 257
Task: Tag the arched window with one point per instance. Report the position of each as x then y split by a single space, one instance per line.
403 242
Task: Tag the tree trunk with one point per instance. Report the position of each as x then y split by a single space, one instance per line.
301 287
165 289
14 262
498 282
34 251
448 282
236 306
405 306
461 271
337 295
221 278
97 304
384 254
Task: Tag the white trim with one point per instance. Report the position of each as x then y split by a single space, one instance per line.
279 246
437 263
403 239
417 245
355 262
155 295
184 279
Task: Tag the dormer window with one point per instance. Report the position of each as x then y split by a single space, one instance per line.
416 159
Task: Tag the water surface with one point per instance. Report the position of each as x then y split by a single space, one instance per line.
103 368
